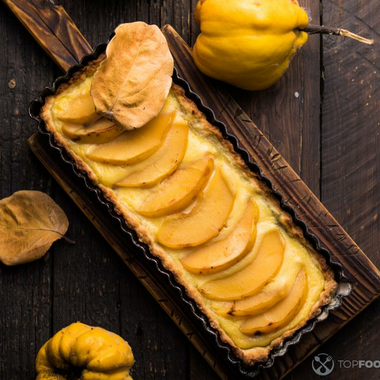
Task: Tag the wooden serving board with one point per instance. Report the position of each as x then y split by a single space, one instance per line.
55 31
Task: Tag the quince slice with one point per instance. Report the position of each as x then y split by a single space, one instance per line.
179 190
204 221
254 276
163 163
272 293
280 314
100 132
251 305
134 145
81 110
224 253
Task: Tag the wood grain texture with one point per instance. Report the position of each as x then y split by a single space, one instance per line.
53 29
28 291
351 156
25 291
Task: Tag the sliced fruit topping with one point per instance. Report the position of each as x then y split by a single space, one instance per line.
204 221
81 110
163 163
251 305
179 190
136 144
222 254
254 276
100 132
275 291
280 314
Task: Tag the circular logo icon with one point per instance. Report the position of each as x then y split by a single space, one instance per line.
322 364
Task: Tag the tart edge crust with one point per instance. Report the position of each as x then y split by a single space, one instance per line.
250 356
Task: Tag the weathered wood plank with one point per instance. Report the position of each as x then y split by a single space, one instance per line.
351 136
52 28
159 347
350 157
25 291
89 296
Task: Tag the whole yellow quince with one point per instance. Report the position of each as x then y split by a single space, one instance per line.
248 43
83 352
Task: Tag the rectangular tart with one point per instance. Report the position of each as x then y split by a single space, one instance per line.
210 220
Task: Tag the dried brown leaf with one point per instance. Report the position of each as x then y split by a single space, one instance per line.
132 83
30 221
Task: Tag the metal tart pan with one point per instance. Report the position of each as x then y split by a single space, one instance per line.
224 350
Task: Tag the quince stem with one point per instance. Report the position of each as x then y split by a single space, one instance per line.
320 29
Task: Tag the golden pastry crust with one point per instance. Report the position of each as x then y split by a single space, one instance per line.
248 356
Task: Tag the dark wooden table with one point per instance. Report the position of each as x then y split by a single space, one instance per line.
324 118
